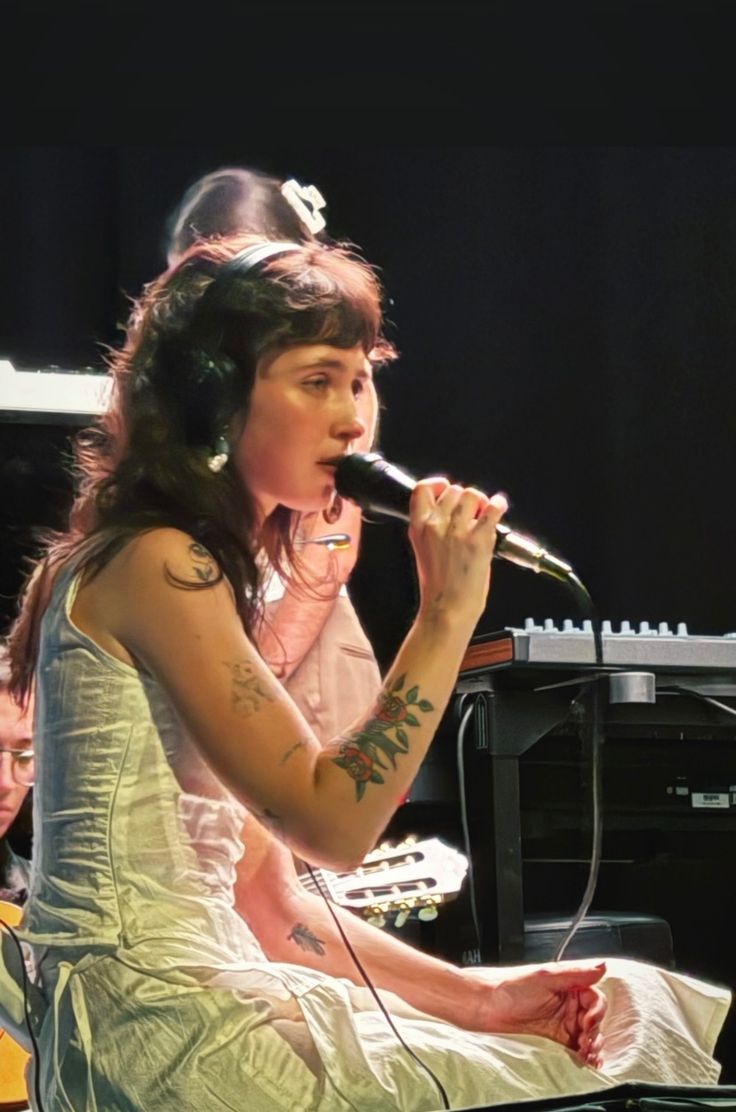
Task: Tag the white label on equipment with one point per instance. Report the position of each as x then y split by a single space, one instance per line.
710 799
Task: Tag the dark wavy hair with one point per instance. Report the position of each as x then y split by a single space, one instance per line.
184 373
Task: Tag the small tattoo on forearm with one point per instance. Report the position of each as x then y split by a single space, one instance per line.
203 565
306 940
247 691
290 752
360 753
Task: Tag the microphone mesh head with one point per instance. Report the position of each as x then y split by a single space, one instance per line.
369 480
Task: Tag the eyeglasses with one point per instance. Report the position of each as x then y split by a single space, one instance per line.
23 765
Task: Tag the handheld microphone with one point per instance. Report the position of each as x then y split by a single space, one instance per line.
369 480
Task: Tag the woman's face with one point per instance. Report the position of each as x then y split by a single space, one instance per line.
309 405
15 735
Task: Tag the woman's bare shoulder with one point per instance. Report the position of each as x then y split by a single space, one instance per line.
131 589
169 555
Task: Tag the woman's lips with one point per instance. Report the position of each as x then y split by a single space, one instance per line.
332 461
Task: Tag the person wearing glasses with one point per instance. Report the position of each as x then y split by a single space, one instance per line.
16 778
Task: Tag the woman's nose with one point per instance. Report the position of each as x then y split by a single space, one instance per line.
349 424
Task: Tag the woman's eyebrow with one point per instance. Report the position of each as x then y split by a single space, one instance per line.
333 365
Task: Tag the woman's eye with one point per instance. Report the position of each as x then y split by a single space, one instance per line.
317 383
359 387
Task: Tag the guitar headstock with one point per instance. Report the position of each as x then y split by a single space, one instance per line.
411 878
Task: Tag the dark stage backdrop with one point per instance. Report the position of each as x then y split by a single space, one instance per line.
567 323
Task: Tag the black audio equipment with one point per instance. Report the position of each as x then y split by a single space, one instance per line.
669 761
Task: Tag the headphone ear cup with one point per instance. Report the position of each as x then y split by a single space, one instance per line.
215 385
207 389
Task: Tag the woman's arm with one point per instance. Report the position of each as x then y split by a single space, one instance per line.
293 925
328 803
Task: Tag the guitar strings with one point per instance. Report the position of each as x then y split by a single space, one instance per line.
361 880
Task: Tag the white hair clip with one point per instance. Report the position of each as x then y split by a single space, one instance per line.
306 201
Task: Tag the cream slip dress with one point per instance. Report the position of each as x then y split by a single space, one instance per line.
151 992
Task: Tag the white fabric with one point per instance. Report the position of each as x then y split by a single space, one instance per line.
338 679
156 995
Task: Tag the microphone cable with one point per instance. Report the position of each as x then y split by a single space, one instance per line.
460 754
591 704
27 1016
372 989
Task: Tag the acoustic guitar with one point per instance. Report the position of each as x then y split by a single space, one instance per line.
13 1059
409 881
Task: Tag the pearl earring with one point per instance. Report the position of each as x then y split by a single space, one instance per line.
221 454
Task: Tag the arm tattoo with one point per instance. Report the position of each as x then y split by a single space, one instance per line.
247 692
360 752
203 572
290 752
203 565
306 940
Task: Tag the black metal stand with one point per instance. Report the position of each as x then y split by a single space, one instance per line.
504 725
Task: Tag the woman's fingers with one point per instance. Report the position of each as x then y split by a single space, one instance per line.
439 499
569 975
452 530
590 1050
584 1007
595 1004
494 510
468 506
592 1006
424 498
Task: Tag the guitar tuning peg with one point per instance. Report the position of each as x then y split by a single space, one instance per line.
376 920
385 847
410 840
428 913
401 917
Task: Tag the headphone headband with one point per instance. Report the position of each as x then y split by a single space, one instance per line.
254 255
242 264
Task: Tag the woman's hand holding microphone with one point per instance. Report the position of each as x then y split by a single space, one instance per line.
453 534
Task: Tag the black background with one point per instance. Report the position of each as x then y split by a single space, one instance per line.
566 321
550 193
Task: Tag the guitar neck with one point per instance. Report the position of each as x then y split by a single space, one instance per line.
314 881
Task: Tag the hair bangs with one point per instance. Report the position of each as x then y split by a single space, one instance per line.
330 297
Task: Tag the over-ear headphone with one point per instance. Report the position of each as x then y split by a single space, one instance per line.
209 385
250 258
